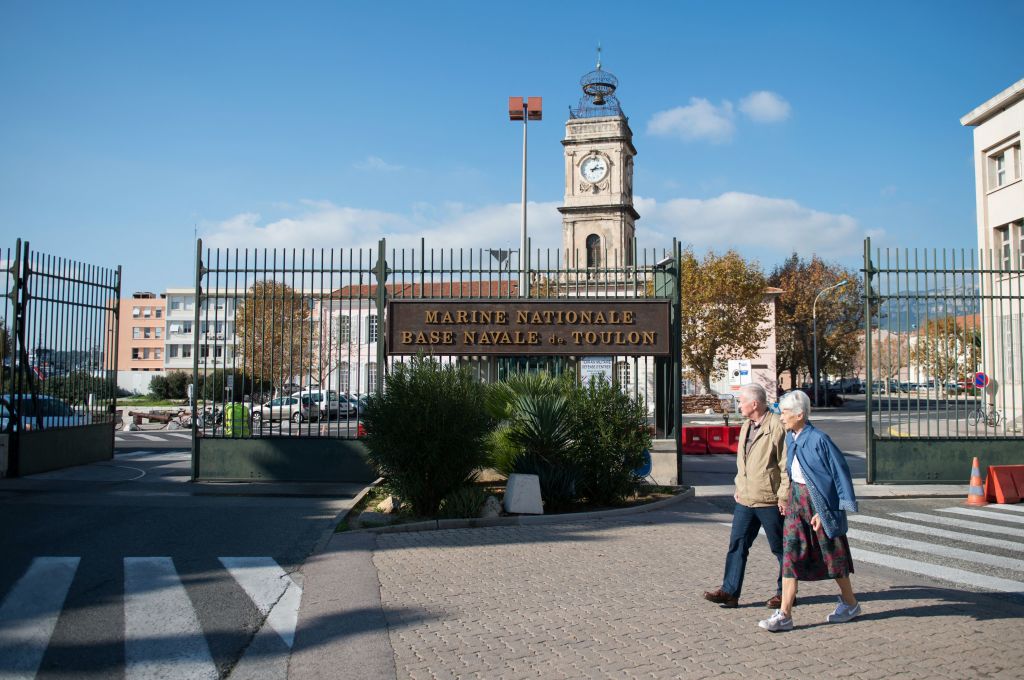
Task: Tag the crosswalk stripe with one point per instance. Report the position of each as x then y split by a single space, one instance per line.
162 635
936 549
180 435
147 437
942 533
29 614
1011 508
984 514
271 590
937 571
964 524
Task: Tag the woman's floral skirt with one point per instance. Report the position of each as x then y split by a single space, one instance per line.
811 555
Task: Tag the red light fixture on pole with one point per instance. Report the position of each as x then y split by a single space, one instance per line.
524 109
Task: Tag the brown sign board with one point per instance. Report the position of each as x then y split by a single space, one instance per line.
578 327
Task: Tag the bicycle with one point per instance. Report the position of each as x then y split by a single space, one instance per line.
991 417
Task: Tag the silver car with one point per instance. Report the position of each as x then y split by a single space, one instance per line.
49 412
295 408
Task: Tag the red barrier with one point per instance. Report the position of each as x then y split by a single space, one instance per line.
719 440
1001 483
695 440
734 438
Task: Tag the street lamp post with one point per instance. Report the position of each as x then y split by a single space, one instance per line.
524 109
814 325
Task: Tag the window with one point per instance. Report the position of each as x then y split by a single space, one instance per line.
145 353
158 354
159 332
147 333
147 312
1012 344
136 312
158 312
593 251
622 375
372 328
344 379
172 351
371 377
176 304
1003 243
344 329
1004 166
186 351
136 333
135 354
1020 244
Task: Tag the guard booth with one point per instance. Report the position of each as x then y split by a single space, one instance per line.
58 341
944 371
298 340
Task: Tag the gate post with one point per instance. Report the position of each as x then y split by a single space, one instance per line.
381 274
13 453
195 359
869 303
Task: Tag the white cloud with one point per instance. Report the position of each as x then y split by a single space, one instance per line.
701 120
378 164
450 226
759 227
765 107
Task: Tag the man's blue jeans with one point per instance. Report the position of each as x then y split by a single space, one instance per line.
746 522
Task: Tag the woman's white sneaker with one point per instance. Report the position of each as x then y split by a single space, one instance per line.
843 612
777 622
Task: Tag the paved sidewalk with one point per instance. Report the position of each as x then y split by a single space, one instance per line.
621 598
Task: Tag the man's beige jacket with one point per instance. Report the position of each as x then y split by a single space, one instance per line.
761 478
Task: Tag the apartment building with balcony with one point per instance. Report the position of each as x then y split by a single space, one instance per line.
216 330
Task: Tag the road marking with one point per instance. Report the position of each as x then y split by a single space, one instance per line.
29 614
162 635
964 524
180 435
1016 546
936 549
984 514
147 437
936 571
272 591
1012 508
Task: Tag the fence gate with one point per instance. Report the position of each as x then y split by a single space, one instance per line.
945 376
58 340
287 344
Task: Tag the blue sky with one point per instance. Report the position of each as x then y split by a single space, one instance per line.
768 127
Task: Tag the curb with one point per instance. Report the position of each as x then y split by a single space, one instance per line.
329 532
525 520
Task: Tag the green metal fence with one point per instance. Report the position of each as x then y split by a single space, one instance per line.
58 361
288 344
945 378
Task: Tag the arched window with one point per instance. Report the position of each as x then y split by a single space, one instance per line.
622 375
344 377
593 251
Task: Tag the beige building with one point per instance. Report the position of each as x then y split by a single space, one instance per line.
140 342
998 125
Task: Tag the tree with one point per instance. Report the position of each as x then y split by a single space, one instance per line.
948 348
272 322
723 311
840 316
890 354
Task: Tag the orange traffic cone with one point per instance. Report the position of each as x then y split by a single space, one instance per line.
975 494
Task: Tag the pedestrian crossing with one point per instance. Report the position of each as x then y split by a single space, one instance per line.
973 553
162 633
161 436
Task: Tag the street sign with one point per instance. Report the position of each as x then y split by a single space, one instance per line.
980 380
739 373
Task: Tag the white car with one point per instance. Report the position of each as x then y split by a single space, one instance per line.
52 413
326 400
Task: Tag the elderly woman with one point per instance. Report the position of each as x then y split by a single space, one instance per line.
814 533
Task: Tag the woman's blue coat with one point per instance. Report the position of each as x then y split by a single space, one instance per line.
828 477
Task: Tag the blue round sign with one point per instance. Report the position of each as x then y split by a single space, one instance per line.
980 380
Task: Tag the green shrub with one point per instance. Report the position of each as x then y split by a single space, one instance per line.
609 430
465 501
558 479
502 451
427 432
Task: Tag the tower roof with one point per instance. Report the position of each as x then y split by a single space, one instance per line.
598 94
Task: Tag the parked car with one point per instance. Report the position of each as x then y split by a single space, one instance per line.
51 412
829 396
296 409
327 401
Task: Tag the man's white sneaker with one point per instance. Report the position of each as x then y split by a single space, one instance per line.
843 612
777 622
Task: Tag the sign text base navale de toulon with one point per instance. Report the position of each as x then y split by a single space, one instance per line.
542 327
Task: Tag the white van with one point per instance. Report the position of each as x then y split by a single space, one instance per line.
327 400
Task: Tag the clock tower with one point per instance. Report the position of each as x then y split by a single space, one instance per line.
598 218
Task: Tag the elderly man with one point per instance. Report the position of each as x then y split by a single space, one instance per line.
762 493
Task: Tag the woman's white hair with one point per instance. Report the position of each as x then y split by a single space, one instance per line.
797 402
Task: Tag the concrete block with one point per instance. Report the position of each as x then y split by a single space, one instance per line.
522 495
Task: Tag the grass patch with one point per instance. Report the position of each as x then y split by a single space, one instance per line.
372 497
149 401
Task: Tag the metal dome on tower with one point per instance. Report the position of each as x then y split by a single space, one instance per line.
598 94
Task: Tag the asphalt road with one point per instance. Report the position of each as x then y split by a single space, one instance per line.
130 565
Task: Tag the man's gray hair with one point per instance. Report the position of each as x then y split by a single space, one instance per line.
755 392
796 401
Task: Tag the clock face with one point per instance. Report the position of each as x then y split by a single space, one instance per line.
594 169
